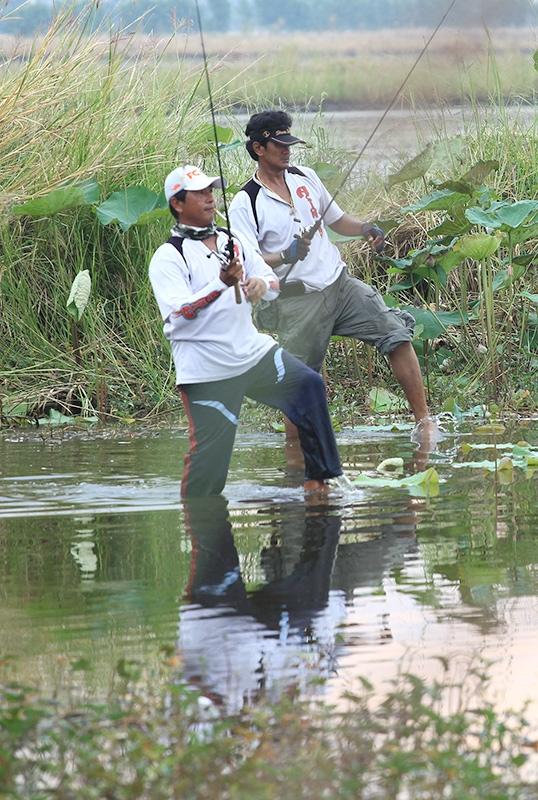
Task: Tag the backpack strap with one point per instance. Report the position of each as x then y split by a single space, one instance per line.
177 242
252 188
296 171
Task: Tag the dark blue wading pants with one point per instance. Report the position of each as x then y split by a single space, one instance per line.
279 380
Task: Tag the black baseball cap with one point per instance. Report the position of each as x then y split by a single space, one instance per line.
271 126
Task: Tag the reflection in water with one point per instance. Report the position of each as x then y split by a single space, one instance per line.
237 641
94 555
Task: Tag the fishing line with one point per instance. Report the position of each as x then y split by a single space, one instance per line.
230 245
318 222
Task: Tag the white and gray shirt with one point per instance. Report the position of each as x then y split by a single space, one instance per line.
269 224
211 336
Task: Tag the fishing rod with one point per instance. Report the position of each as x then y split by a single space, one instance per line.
230 245
310 233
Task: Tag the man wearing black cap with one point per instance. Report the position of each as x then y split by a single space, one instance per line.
318 297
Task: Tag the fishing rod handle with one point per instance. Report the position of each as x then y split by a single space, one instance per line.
237 292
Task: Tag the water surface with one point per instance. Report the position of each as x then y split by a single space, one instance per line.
260 591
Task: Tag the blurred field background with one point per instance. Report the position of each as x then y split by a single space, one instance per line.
338 69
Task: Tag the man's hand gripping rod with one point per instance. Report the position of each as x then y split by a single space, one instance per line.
311 232
225 259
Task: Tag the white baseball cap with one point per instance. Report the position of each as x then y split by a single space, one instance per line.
190 179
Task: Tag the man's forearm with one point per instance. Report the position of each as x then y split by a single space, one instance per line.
273 260
349 226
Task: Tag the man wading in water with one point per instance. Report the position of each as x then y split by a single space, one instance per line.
318 298
218 354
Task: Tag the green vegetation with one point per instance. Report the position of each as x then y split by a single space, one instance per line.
162 739
87 133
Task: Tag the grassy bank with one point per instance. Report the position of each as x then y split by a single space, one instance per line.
163 739
77 109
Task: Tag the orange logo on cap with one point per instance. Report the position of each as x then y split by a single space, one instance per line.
192 173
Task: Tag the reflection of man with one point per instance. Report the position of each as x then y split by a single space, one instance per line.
234 644
318 298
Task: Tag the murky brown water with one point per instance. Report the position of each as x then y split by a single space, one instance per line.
260 591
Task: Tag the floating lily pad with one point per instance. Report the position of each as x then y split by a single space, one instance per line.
391 465
492 427
426 482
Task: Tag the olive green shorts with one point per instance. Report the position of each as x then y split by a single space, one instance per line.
348 307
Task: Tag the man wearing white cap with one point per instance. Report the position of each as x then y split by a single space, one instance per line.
218 354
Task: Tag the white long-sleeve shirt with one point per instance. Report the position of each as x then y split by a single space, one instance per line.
272 228
211 336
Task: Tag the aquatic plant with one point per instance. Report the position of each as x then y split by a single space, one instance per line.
161 738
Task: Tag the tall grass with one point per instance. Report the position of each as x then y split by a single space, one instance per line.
82 105
75 109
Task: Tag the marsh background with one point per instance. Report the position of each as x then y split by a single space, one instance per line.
97 557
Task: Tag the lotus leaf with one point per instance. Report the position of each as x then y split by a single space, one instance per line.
391 465
439 200
130 207
77 194
477 246
426 482
383 401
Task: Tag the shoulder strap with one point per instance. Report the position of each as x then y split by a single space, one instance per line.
252 188
177 242
296 171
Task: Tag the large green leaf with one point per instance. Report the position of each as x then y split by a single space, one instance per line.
439 200
478 246
506 277
130 207
515 214
416 168
79 294
77 194
434 323
479 216
446 151
206 134
479 172
434 154
382 401
449 261
509 216
455 225
532 297
524 233
330 175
